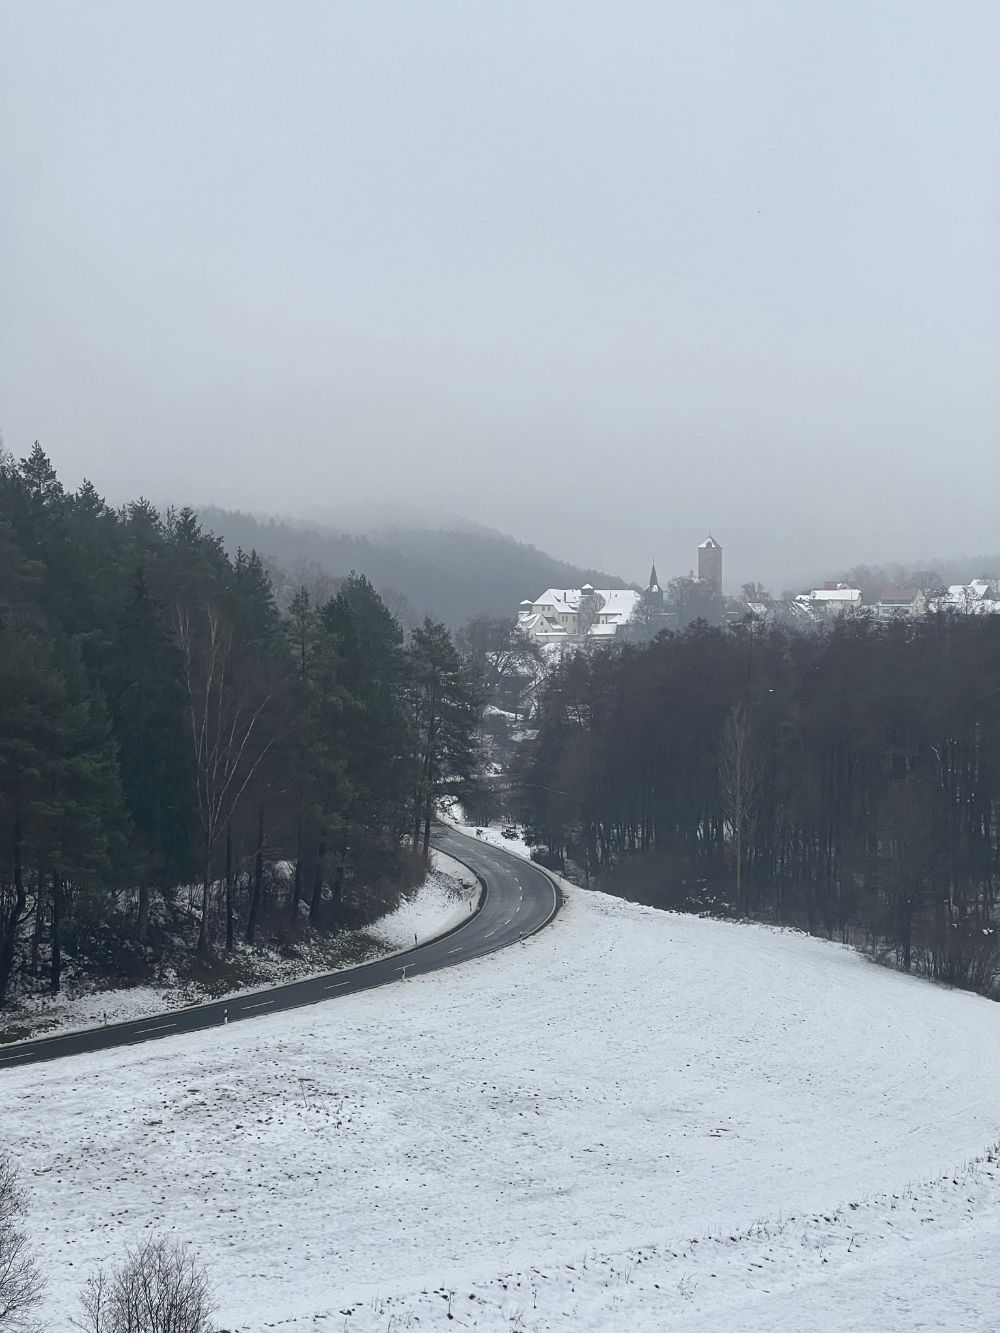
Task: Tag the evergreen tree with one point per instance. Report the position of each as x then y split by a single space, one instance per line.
445 705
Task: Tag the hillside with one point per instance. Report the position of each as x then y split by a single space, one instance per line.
636 1120
451 574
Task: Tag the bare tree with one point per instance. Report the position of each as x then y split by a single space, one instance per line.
160 1288
228 701
739 773
754 592
20 1280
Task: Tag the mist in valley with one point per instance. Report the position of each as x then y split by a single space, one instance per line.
602 278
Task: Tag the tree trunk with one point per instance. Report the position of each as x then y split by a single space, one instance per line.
230 906
206 880
296 898
8 943
142 921
317 893
36 934
258 879
57 911
338 879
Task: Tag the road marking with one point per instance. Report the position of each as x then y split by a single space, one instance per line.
336 985
517 908
20 1055
259 1005
163 1027
507 922
458 950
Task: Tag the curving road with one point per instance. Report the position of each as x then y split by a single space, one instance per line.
518 899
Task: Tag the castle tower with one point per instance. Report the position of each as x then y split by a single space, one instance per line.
710 563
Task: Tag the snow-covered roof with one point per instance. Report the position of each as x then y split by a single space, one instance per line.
965 591
710 544
620 602
602 631
841 594
971 597
617 603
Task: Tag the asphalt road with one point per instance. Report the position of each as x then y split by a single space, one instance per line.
518 900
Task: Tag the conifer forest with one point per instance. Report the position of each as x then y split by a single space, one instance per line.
168 739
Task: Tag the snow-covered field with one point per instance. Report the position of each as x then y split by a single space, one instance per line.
634 1121
442 901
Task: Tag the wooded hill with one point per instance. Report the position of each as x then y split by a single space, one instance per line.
846 781
162 725
450 575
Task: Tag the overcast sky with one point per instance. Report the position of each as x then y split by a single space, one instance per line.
604 276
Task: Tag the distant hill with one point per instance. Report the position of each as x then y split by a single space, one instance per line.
446 573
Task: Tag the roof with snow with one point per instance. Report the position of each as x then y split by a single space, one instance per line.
842 593
710 544
616 603
972 597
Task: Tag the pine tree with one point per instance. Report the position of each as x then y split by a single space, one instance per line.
446 712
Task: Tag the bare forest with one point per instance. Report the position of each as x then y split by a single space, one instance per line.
845 781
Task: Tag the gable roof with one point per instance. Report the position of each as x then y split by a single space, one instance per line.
898 596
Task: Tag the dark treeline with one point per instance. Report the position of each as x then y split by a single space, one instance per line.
161 725
846 781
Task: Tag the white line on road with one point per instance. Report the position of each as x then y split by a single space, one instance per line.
21 1055
336 985
162 1027
259 1005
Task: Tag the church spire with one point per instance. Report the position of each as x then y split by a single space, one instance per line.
654 582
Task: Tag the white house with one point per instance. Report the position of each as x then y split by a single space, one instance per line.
981 597
833 599
900 604
577 615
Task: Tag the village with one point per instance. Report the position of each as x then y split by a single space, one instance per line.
561 618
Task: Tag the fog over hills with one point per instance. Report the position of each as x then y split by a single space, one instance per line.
450 573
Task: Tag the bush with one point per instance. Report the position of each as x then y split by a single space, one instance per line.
160 1288
20 1280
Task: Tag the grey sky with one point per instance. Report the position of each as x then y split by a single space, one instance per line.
601 275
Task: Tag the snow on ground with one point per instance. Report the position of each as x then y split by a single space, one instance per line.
443 900
634 1121
446 899
488 833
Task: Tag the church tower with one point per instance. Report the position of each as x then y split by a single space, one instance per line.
710 563
654 593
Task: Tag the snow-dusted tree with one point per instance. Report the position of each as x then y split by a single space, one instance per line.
20 1279
160 1288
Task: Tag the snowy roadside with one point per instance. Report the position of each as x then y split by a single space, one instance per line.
649 1121
443 901
486 833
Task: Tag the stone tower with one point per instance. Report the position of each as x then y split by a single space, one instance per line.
710 563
